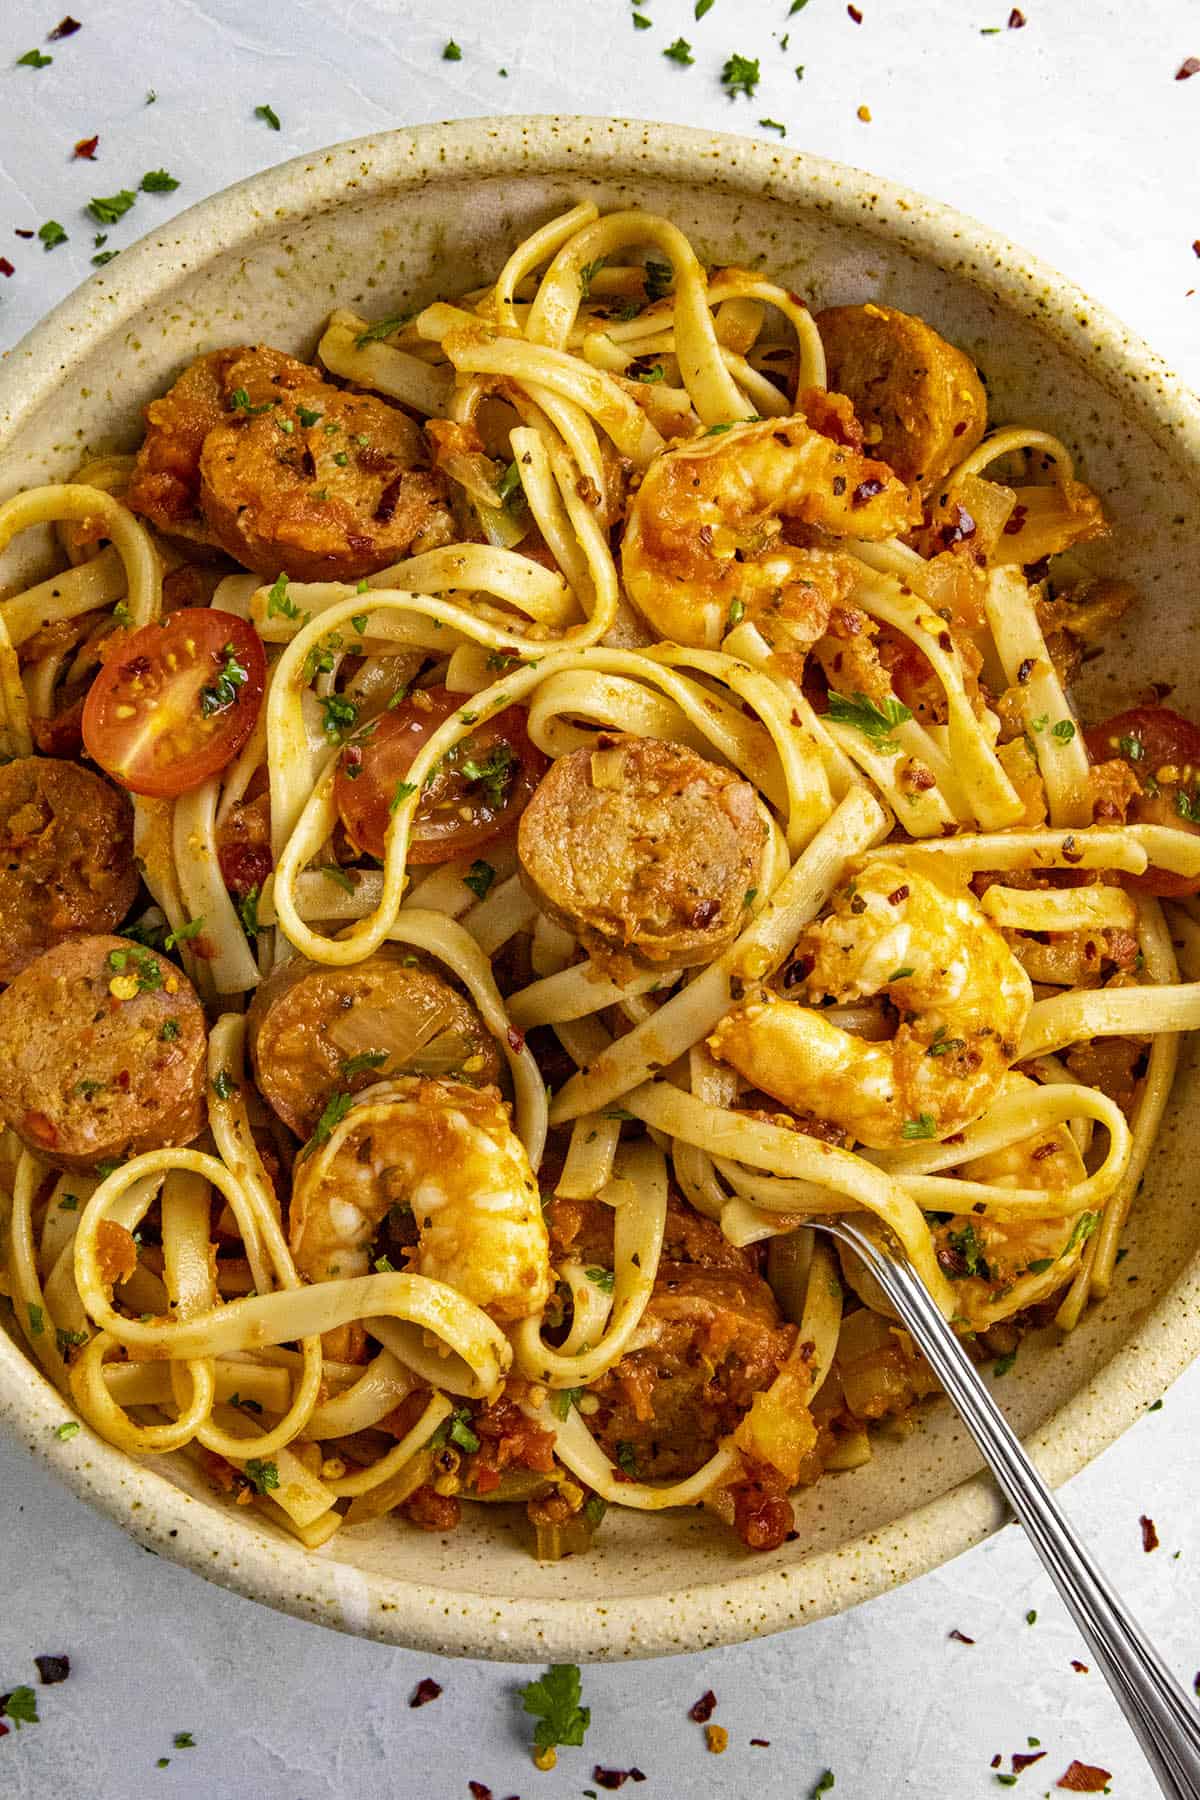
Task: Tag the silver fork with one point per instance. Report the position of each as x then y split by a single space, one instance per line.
1164 1720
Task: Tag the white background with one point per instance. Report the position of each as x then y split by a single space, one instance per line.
1070 135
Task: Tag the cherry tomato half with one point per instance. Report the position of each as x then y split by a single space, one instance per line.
174 702
1163 750
478 790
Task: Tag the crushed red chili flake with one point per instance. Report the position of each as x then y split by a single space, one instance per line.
704 1708
3 1729
1084 1778
22 233
615 1778
427 1689
64 29
1081 1668
479 1791
1188 67
516 1040
87 147
960 1637
1024 1759
1149 1534
855 14
996 1761
1196 246
761 1743
52 1669
1016 19
6 267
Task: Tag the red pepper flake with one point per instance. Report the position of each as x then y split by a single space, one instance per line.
704 1708
3 1729
615 1778
855 14
1082 1669
516 1040
6 267
64 29
1196 246
1024 1759
1149 1534
1188 67
479 1791
86 147
1016 19
996 1761
960 1637
1084 1778
52 1669
427 1689
866 490
24 234
761 1743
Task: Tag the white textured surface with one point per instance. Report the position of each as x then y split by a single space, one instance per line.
1070 135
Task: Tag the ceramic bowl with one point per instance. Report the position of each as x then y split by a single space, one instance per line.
389 222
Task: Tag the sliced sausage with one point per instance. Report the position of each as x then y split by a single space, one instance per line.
255 452
710 1338
920 394
643 849
316 1031
66 857
102 1053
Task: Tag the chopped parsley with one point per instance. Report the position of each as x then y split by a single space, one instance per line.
1003 1364
239 402
563 1399
278 603
223 691
404 789
338 876
737 612
924 1126
681 52
1031 1617
268 115
247 912
658 278
641 22
479 878
452 53
70 1427
37 1320
68 1340
601 1278
384 1265
157 181
339 716
223 1085
183 1740
876 722
382 328
69 1203
366 1059
968 1248
511 493
139 962
1064 731
21 1704
34 59
1081 1231
262 1476
902 975
827 1780
553 1700
168 1031
334 1111
587 274
495 773
192 929
120 612
703 6
594 1509
307 417
627 1459
107 210
460 1432
51 234
740 75
1131 748
1187 806
773 125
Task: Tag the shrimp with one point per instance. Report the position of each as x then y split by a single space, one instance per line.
703 544
962 996
446 1153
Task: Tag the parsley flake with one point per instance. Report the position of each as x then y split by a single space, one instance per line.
223 692
335 1110
740 75
21 1707
70 1427
33 59
268 115
262 1476
1064 731
773 125
601 1278
479 878
924 1126
52 234
107 210
157 181
681 52
553 1700
366 1059
876 722
452 53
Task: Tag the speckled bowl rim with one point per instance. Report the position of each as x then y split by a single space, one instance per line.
212 1540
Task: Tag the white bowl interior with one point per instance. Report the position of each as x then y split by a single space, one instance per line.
391 223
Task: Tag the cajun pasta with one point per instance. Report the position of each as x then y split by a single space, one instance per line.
509 821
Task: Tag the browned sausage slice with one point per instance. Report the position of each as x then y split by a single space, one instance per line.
102 1050
256 452
317 1031
922 395
643 849
66 857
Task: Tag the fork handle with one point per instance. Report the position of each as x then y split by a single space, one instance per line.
1162 1716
